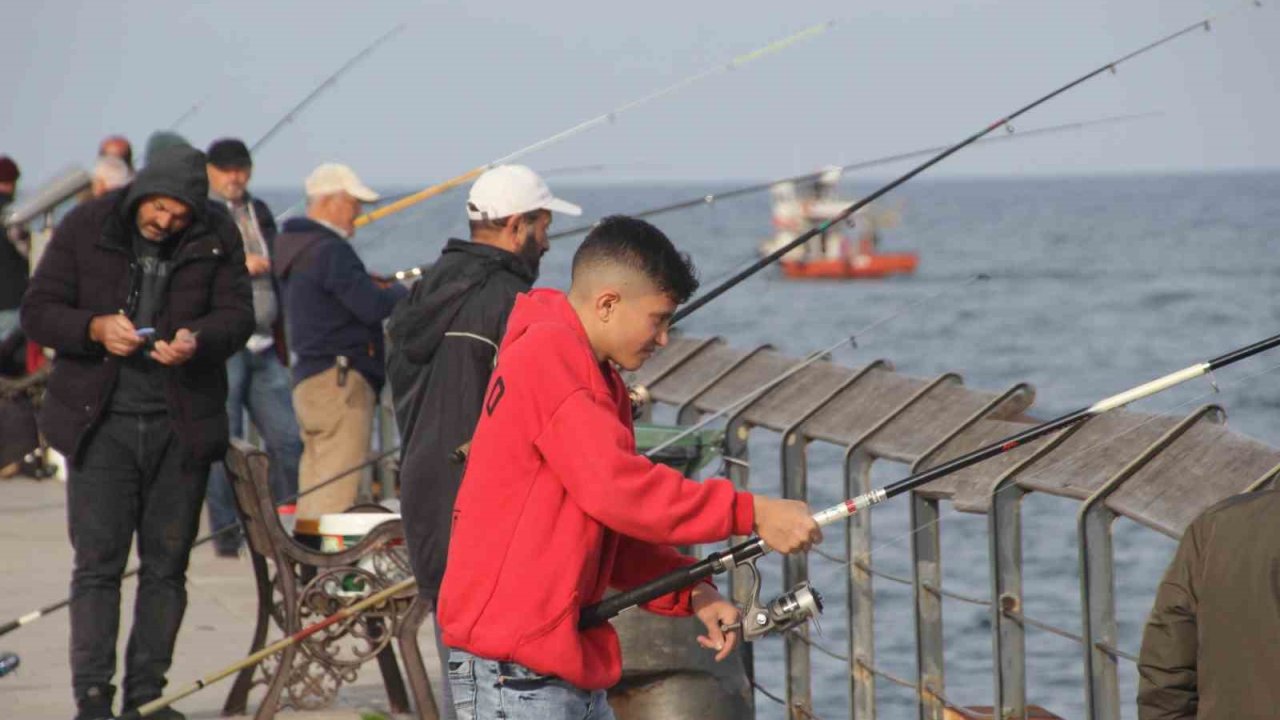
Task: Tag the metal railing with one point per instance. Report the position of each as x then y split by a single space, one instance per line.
1123 464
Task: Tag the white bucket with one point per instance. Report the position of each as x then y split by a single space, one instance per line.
339 531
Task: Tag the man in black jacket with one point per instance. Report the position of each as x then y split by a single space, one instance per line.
143 294
257 379
444 343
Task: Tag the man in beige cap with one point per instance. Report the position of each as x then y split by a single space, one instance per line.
334 311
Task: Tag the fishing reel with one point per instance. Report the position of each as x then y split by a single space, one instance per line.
782 614
640 400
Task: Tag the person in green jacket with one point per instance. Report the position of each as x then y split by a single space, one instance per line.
1211 647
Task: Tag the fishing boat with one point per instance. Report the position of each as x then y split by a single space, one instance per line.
836 254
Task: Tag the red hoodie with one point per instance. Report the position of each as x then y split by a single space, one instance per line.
556 505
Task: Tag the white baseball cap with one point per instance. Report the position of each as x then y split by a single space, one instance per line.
330 178
512 190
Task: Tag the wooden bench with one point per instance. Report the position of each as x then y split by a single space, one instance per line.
298 586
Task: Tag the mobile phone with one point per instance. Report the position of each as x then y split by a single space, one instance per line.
146 332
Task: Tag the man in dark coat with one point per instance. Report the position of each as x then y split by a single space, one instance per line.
257 377
143 294
1211 648
444 343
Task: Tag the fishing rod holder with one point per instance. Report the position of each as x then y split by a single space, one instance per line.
784 613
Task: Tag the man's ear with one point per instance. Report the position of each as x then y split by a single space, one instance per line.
607 304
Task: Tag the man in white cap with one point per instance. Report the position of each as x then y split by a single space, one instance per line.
444 342
334 311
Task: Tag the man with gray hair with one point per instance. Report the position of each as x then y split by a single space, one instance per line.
109 173
334 311
257 378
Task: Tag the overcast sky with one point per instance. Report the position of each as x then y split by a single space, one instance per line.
468 82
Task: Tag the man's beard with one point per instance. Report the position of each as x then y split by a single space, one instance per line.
530 252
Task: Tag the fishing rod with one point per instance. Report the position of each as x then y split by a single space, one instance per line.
802 602
607 117
324 85
948 152
712 198
190 113
54 607
349 611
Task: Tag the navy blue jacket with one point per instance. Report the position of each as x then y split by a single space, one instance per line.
331 305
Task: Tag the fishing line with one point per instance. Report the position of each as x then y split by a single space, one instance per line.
851 209
601 119
810 359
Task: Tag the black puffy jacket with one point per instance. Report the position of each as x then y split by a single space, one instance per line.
89 269
442 342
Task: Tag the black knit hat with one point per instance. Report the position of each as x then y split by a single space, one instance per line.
9 172
229 153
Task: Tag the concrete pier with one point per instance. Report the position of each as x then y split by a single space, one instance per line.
35 568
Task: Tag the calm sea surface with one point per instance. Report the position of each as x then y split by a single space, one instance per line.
1097 284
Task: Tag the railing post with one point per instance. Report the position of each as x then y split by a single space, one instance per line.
1097 575
862 625
795 569
738 471
1008 636
926 556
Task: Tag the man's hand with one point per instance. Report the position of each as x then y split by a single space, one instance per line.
176 352
715 612
785 525
116 334
257 264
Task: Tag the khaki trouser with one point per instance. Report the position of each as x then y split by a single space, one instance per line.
336 424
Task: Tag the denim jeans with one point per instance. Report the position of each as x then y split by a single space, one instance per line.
486 689
259 382
132 480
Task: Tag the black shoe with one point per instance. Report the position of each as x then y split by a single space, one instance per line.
165 713
231 552
95 704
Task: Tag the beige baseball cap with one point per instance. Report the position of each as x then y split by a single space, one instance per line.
508 190
330 178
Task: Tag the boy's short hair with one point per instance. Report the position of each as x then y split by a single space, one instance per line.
635 244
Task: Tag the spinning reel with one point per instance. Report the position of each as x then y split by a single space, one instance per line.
785 612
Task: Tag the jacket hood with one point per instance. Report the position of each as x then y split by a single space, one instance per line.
295 238
542 306
418 325
177 172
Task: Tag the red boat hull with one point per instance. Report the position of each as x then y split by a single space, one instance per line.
859 266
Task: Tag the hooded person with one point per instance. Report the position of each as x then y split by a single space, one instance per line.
444 343
143 294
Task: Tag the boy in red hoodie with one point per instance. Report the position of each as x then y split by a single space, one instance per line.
556 505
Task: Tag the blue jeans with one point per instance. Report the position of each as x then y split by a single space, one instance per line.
487 689
259 382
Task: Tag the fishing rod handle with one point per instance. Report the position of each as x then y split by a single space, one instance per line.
1150 388
845 509
714 564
